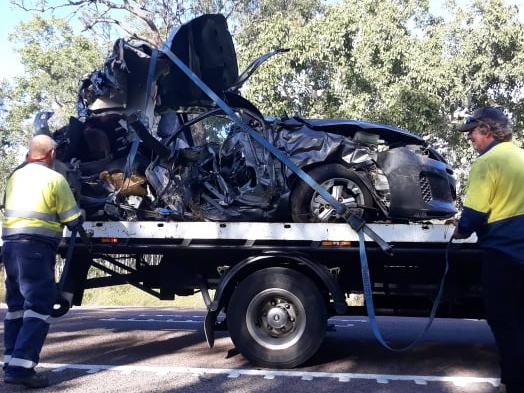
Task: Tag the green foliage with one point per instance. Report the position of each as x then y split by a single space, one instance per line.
145 20
54 60
486 57
388 61
9 140
127 295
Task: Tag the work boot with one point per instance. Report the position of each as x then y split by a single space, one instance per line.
31 381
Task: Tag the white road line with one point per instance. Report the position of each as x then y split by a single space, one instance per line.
171 315
179 321
335 319
347 320
147 320
270 374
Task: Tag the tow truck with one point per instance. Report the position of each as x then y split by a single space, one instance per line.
276 284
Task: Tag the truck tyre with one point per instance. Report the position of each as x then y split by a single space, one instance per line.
342 183
277 318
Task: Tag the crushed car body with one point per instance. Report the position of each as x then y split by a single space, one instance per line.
148 144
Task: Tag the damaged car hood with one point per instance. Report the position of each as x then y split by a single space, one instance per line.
348 128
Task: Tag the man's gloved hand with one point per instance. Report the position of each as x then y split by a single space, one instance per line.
452 221
75 224
456 233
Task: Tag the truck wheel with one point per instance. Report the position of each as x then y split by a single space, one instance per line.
342 183
277 318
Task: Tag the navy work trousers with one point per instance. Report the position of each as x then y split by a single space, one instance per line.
30 294
503 285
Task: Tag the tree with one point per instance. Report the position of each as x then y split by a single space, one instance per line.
484 53
474 60
284 84
54 60
8 147
347 60
149 21
389 61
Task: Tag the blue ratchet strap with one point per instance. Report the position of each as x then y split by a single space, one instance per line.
357 223
368 297
131 156
136 140
150 75
69 257
62 305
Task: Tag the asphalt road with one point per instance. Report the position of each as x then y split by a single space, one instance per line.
164 350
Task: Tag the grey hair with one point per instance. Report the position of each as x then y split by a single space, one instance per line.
502 131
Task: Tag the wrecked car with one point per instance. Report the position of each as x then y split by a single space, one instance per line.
148 144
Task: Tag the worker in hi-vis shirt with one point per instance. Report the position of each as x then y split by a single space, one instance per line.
494 209
38 203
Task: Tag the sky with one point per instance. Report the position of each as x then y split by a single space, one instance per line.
9 17
10 64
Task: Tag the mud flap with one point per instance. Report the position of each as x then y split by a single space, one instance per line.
209 328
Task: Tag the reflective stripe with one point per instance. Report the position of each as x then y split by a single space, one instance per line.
7 359
68 213
31 231
22 363
34 314
31 214
14 314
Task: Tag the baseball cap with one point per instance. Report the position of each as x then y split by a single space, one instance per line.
479 117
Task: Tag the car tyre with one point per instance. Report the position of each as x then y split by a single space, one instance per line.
277 318
342 183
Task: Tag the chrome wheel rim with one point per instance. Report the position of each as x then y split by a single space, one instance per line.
276 319
343 190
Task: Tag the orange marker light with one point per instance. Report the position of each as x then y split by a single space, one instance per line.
109 240
331 243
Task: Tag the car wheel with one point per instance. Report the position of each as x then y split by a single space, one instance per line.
342 183
277 318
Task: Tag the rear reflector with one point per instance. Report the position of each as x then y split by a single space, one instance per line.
330 243
109 240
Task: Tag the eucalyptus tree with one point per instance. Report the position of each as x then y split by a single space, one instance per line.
388 60
8 138
54 59
145 20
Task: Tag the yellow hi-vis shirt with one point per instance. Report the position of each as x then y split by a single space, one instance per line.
494 204
496 183
38 201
